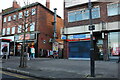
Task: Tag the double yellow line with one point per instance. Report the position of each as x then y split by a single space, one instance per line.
15 75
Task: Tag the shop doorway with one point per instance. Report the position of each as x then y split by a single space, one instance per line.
80 49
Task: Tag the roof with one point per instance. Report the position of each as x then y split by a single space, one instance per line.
28 6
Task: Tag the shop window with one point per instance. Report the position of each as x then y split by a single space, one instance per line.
33 11
5 19
32 26
3 32
19 28
9 18
13 30
113 43
8 30
113 9
20 15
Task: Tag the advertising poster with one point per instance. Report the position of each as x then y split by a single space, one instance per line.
4 48
55 46
115 49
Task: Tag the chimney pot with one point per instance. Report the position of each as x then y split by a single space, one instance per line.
48 4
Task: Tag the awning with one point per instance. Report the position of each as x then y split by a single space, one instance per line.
11 38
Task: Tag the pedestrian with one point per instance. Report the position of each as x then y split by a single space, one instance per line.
28 52
32 49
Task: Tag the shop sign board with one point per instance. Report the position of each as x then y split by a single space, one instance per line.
77 37
4 48
27 37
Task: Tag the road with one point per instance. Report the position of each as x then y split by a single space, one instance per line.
13 76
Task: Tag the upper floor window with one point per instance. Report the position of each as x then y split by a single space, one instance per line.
26 13
32 26
20 15
5 19
14 17
8 30
83 14
95 12
13 30
9 18
33 11
113 9
3 32
26 27
19 28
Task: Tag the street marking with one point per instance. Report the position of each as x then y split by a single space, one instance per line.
14 75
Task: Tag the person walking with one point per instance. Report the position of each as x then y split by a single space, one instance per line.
32 49
28 52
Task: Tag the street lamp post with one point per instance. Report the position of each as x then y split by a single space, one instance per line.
91 28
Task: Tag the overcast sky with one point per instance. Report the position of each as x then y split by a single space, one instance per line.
53 4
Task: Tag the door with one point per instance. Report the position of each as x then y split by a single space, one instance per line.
79 49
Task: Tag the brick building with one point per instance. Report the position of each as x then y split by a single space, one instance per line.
38 21
76 35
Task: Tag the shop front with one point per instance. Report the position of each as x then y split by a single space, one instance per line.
78 46
30 40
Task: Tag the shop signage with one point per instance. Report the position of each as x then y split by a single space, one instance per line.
4 48
27 36
77 37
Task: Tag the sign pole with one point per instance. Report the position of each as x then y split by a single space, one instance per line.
91 28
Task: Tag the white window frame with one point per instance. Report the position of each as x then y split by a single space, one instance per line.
5 19
3 32
32 26
8 30
118 8
14 17
20 15
26 13
33 11
19 28
9 18
13 30
26 27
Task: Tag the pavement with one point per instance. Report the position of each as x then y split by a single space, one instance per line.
49 68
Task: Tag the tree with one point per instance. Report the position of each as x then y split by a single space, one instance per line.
25 20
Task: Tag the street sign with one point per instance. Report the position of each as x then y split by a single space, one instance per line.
91 27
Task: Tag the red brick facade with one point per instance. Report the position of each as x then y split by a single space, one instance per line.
43 19
103 18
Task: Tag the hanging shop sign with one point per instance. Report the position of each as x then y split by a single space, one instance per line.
76 37
4 48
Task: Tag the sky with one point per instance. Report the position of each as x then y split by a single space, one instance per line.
53 4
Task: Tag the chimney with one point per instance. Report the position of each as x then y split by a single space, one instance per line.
15 4
48 4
